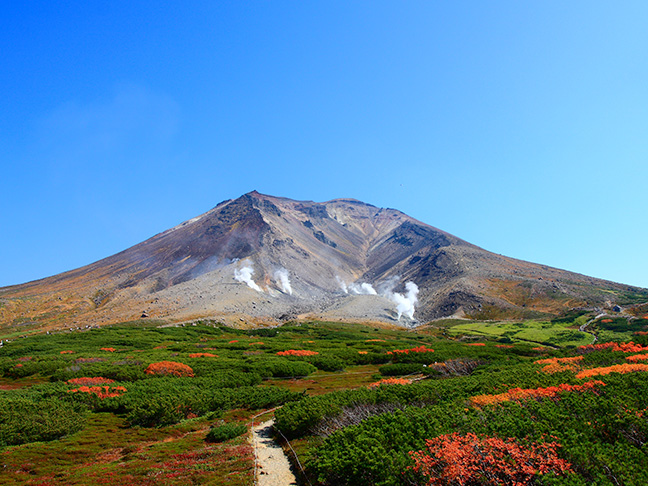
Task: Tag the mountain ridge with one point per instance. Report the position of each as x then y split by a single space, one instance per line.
325 251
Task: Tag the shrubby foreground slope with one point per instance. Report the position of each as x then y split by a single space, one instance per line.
141 404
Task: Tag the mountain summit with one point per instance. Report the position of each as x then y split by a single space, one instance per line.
261 258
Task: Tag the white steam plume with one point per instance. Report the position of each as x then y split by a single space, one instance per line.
405 303
281 277
362 289
342 284
245 275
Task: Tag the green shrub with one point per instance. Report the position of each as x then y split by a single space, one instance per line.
225 431
282 368
23 420
400 369
327 363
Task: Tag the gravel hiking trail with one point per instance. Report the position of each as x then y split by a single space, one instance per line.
273 468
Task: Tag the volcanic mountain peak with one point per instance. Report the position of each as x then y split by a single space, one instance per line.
264 258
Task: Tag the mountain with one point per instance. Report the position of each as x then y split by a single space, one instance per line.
261 259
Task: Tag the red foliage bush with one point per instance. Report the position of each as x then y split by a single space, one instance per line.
67 352
556 365
625 347
637 357
90 381
606 370
101 391
475 344
297 352
524 394
390 381
169 368
419 349
203 355
455 459
110 350
505 346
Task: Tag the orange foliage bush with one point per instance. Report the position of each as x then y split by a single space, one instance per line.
233 341
455 459
101 391
637 357
419 349
110 350
90 381
506 346
625 347
556 365
375 341
390 381
67 352
297 352
475 344
606 370
363 352
524 394
251 344
203 355
169 368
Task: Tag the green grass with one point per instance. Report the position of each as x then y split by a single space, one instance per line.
545 333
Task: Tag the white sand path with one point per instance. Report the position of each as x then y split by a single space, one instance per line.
273 468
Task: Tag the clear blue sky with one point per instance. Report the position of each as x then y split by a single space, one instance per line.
521 127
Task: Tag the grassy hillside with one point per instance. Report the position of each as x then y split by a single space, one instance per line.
142 404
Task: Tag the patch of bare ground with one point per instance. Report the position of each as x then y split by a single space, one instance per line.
272 465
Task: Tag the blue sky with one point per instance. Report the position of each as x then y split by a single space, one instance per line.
521 127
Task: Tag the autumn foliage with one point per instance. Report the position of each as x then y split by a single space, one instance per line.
419 349
390 381
297 352
101 391
606 370
169 368
455 459
90 381
556 365
203 355
637 357
624 347
110 350
528 393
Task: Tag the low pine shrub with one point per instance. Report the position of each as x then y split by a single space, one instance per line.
225 431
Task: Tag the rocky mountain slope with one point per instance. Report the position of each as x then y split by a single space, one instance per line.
260 259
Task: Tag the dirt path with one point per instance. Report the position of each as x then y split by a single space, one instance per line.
273 468
583 328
